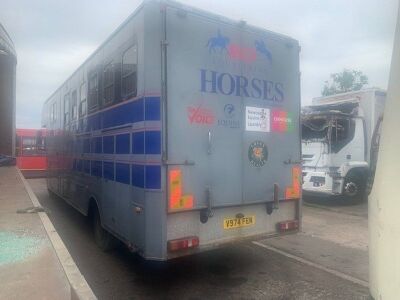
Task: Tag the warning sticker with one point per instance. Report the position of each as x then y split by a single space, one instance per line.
257 119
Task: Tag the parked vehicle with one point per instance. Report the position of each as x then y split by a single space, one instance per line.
180 133
339 146
31 152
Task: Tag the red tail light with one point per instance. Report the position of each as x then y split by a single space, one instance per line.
288 225
184 243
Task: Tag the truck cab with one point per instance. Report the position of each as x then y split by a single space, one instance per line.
336 144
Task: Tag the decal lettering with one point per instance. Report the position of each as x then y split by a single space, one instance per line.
240 86
257 119
199 115
230 117
282 121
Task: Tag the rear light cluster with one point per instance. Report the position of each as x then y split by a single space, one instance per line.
184 243
288 225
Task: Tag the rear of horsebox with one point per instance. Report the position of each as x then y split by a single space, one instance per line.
231 142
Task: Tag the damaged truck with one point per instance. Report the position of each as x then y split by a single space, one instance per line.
340 139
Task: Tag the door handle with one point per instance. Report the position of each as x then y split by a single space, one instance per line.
209 142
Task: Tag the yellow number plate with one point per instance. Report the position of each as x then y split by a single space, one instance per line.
239 222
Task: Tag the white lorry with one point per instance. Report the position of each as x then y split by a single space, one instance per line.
339 139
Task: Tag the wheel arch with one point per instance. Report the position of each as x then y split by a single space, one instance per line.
356 170
92 205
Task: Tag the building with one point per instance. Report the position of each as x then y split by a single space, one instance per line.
8 62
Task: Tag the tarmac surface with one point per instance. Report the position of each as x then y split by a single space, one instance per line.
29 266
327 260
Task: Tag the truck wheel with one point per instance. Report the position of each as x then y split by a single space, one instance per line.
102 237
354 188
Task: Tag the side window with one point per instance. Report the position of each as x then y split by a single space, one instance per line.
53 112
343 131
129 72
66 109
28 146
93 91
74 99
108 83
82 100
40 144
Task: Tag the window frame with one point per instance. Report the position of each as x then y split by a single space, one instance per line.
109 84
92 105
53 112
74 103
83 88
124 76
67 96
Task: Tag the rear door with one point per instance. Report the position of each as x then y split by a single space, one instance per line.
232 112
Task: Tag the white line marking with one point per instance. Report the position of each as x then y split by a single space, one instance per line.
314 265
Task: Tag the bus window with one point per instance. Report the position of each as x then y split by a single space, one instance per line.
129 72
66 109
93 91
82 100
40 145
28 146
74 99
108 83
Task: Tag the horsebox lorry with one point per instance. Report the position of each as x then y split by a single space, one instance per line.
340 138
180 133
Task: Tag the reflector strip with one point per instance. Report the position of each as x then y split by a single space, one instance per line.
294 191
177 201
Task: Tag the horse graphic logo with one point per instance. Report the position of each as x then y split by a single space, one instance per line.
262 48
218 42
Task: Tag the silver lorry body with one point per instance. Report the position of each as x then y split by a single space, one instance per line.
211 133
333 151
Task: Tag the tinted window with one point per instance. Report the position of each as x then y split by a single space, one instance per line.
53 112
93 91
32 146
108 83
66 109
129 72
82 100
74 99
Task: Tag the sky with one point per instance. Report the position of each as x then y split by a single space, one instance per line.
53 37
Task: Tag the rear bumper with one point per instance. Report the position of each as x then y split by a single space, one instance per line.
226 243
212 234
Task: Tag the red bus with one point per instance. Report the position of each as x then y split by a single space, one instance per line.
31 153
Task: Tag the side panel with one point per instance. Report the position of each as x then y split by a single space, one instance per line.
233 110
233 128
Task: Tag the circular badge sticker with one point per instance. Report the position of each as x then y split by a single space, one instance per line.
258 154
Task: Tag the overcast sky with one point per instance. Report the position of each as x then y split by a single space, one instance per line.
53 37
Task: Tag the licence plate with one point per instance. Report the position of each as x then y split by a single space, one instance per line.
239 222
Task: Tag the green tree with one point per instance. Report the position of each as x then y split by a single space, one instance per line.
346 81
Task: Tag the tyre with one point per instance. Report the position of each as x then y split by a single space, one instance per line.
354 188
104 240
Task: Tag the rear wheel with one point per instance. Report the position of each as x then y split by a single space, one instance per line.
102 237
354 188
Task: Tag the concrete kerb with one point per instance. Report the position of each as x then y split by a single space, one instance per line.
80 289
